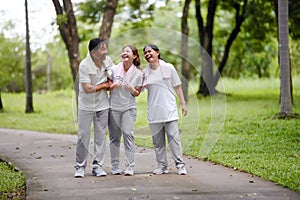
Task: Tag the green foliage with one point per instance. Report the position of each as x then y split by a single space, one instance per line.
60 71
245 61
12 182
134 14
12 63
294 16
295 54
90 11
253 53
265 27
12 60
61 19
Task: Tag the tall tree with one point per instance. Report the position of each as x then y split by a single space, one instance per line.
184 48
108 18
66 21
286 107
1 104
205 33
240 16
208 80
29 103
67 26
294 18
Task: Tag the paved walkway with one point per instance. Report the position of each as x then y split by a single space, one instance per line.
48 160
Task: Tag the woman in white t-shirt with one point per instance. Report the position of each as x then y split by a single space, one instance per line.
162 82
127 84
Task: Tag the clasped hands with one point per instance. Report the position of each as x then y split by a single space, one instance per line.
118 84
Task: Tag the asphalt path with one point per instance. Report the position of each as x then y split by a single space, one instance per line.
48 163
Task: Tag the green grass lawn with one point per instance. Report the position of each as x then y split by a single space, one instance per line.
12 182
235 130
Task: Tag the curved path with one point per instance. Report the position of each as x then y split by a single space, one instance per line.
48 163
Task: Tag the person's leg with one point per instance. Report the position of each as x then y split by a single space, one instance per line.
175 145
115 139
100 125
128 119
159 142
83 140
174 141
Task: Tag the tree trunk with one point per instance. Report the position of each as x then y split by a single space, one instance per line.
1 105
108 19
239 19
200 23
291 80
69 33
206 37
48 71
184 49
29 104
208 80
286 107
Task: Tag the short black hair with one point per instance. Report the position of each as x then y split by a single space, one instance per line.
95 43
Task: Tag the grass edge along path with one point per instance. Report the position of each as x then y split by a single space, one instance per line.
12 182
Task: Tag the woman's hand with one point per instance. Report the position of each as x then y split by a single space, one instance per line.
115 85
184 110
130 88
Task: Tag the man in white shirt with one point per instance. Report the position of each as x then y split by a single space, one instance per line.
93 106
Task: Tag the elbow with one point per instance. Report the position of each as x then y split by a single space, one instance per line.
87 88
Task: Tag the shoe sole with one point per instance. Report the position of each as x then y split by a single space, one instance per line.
128 174
78 176
161 173
98 175
182 174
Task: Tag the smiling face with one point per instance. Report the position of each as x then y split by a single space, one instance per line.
151 55
127 55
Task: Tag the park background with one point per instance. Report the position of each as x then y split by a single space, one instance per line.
236 125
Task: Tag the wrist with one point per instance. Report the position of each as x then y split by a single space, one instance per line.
96 88
134 92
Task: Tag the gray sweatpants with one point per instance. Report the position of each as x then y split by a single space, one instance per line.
122 122
158 131
100 121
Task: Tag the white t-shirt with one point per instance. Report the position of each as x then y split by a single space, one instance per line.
160 84
120 98
90 73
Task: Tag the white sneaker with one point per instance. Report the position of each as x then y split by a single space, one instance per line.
116 171
98 171
159 171
79 172
129 171
181 170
